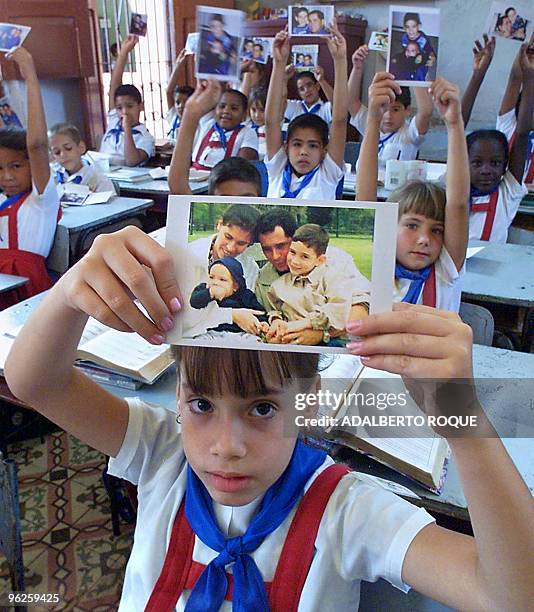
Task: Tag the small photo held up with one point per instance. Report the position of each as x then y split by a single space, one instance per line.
8 117
219 44
138 24
257 49
513 22
12 35
379 41
191 44
310 20
240 292
413 45
305 57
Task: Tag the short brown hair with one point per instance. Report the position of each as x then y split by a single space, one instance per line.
421 198
313 236
241 372
67 129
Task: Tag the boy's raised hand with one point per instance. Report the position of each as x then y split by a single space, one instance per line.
447 99
359 56
129 43
483 54
289 72
319 73
526 60
382 92
205 98
24 60
336 42
180 57
280 49
119 267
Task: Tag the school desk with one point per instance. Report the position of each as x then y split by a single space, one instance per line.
157 190
78 222
10 281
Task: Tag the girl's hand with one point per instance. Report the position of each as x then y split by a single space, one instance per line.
205 98
482 55
382 93
118 268
447 100
359 56
280 49
336 43
22 57
129 43
319 73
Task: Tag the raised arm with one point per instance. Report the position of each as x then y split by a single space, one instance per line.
40 369
325 85
492 571
424 109
381 93
116 76
355 79
275 99
482 56
36 134
338 131
447 99
513 86
518 153
251 76
173 81
205 98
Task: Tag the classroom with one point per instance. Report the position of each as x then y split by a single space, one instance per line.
266 305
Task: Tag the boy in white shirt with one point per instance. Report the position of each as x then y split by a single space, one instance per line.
310 164
400 137
177 96
67 148
127 140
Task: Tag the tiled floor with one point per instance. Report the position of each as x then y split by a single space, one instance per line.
68 544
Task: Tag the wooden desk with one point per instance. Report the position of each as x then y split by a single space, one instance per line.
78 222
10 281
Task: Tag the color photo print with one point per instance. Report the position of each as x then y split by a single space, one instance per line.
413 45
312 269
511 21
310 20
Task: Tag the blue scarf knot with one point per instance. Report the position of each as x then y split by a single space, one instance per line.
418 278
249 592
382 141
314 109
117 131
286 181
175 125
60 176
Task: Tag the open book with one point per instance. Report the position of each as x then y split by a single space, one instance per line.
72 194
415 451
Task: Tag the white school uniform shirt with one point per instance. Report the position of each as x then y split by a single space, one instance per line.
295 108
406 140
211 156
262 142
36 220
448 284
364 534
322 186
507 124
170 118
197 321
95 180
143 140
510 195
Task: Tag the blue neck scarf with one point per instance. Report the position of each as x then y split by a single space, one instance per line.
249 590
476 193
382 141
314 109
418 279
117 131
61 178
222 133
175 125
12 200
286 181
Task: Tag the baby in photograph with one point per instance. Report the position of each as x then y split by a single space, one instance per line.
226 286
311 295
408 64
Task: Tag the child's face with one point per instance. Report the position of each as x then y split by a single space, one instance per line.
305 150
302 259
411 27
221 282
257 52
217 28
231 241
302 18
511 14
275 246
308 89
394 117
419 240
66 152
257 113
249 45
15 172
486 164
179 102
411 50
238 446
316 23
229 112
127 106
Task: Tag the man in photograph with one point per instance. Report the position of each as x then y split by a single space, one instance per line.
317 23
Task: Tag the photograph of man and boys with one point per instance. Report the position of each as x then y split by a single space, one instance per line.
218 50
138 24
509 21
257 49
305 57
12 35
271 276
310 20
413 48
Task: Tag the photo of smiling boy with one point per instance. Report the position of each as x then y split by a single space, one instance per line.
301 22
218 49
